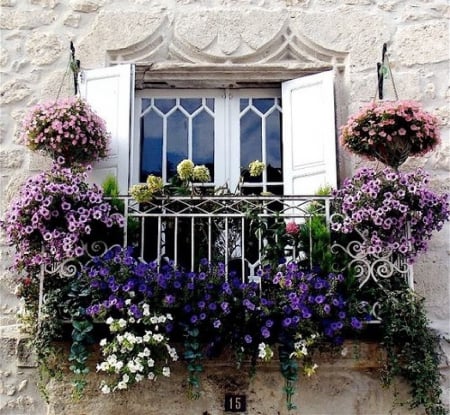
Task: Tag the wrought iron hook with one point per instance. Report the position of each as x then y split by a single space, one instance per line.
380 71
75 66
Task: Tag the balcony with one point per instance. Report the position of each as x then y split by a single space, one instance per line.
244 233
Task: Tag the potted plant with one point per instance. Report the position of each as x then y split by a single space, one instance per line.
390 132
383 204
66 128
55 213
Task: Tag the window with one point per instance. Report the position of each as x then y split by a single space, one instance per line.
224 129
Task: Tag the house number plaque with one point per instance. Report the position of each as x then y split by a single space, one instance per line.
235 403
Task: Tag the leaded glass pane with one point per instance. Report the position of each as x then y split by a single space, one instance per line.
151 145
210 103
177 141
251 145
263 104
273 147
191 104
203 141
164 104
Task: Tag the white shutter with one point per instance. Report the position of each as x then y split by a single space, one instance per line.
110 92
309 144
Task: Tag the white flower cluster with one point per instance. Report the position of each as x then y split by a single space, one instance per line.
134 357
265 353
301 345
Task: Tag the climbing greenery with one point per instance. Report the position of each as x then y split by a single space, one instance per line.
413 349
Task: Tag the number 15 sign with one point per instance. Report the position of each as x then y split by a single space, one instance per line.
235 403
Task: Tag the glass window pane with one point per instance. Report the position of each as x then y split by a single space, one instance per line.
210 103
203 141
177 141
251 146
165 104
151 145
191 104
145 103
243 104
263 104
273 147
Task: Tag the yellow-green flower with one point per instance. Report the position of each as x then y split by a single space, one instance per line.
185 169
155 183
201 174
256 168
141 192
310 369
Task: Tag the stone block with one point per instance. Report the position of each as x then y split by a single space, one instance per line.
86 6
11 19
72 20
348 29
51 4
11 158
43 48
424 43
129 27
26 357
13 91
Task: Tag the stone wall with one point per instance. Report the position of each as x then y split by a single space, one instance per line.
345 34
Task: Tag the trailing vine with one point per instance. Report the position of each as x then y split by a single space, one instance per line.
413 349
193 356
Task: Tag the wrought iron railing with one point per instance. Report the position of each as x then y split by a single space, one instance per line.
228 229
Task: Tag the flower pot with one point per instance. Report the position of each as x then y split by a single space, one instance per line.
391 132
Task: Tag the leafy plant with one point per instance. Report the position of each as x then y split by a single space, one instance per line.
413 349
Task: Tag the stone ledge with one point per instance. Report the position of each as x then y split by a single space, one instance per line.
15 345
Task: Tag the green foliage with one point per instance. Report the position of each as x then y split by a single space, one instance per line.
413 349
79 352
110 186
316 242
193 355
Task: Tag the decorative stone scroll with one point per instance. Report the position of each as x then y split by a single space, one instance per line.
212 48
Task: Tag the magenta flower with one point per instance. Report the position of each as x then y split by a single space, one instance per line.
292 228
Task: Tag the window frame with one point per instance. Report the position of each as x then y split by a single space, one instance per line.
226 124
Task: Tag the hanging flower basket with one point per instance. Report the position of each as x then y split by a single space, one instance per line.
391 132
68 128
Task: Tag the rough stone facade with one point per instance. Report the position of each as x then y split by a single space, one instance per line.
344 34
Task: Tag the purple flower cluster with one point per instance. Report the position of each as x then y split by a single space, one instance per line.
384 204
53 214
68 128
222 308
310 302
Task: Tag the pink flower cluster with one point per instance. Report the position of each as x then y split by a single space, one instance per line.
400 123
52 216
383 204
67 128
292 228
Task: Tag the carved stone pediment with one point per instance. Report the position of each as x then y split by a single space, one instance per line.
227 50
